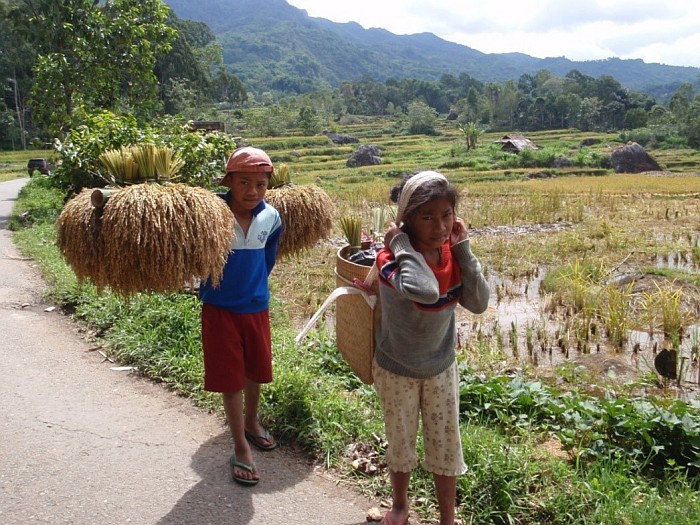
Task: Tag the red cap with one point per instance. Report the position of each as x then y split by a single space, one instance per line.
249 159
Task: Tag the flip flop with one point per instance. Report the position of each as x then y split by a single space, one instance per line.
244 466
387 520
262 441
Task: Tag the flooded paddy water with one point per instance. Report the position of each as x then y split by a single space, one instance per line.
528 328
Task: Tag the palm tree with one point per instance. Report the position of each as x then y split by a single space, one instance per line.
471 133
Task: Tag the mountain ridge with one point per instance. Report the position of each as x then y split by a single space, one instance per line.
269 44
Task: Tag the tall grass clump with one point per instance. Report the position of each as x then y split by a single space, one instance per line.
663 309
616 313
575 285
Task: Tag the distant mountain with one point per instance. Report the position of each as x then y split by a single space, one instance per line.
270 44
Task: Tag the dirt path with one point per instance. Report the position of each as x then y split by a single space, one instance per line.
81 443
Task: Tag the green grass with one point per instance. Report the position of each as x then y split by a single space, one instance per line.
605 461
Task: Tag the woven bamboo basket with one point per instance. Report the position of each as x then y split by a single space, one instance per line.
355 320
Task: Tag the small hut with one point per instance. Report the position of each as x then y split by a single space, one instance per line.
515 143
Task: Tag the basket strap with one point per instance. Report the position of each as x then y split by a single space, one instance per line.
338 292
368 285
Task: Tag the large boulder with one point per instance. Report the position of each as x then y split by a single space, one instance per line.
339 138
365 155
632 158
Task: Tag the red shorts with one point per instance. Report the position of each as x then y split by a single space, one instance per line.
236 347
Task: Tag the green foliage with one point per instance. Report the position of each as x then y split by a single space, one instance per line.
203 155
270 121
308 120
39 202
471 132
317 401
649 434
94 55
420 119
79 152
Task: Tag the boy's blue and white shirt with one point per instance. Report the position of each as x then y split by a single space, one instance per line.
244 286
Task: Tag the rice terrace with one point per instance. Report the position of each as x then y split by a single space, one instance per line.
590 270
594 313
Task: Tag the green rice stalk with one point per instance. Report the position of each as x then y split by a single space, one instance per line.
380 217
280 177
166 163
351 227
144 155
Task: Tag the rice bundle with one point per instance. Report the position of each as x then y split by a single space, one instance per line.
307 214
151 238
80 238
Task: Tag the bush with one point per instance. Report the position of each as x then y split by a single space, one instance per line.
204 155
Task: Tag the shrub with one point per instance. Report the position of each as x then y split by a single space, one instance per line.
203 155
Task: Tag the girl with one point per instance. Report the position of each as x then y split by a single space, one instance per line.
425 269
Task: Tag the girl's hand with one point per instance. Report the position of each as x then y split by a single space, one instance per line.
392 232
459 232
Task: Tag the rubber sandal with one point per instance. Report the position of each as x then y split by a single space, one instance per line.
387 520
246 482
262 441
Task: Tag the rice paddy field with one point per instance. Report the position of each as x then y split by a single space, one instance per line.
591 270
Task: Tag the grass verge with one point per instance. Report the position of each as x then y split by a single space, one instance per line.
535 454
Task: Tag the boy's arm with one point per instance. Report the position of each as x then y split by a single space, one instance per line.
271 246
475 288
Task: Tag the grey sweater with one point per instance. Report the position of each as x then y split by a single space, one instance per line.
416 336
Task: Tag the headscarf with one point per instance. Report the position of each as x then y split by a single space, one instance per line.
412 185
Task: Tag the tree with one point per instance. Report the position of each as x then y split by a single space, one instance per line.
227 88
308 120
567 106
193 53
16 59
471 132
635 118
421 118
589 113
681 100
94 55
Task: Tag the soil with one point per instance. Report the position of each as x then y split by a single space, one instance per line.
85 441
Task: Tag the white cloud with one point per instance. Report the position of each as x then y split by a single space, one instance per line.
662 31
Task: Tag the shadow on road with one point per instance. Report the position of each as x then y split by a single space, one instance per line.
217 500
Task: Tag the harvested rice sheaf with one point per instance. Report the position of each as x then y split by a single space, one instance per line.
159 237
79 238
307 213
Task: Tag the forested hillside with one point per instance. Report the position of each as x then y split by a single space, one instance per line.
269 44
267 68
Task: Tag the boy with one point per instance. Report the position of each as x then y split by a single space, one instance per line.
235 319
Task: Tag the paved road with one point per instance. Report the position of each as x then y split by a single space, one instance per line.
83 444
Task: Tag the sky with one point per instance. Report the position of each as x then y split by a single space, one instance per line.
656 31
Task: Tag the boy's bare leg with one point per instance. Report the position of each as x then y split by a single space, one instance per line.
233 407
399 496
446 492
252 401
